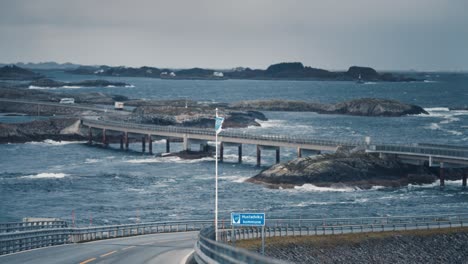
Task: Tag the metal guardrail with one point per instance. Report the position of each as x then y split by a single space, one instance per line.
423 151
16 241
209 251
34 225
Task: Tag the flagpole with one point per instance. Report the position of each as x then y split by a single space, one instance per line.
216 184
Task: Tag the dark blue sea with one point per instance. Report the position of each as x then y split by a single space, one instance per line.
52 179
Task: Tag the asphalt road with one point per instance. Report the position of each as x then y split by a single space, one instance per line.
170 248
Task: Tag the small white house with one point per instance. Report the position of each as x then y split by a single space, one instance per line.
218 74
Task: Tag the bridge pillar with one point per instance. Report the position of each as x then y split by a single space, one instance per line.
239 151
90 136
104 139
186 143
126 141
143 144
442 176
464 180
259 156
299 152
150 145
168 145
277 155
221 151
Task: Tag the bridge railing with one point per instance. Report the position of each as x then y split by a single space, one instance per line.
32 225
426 151
228 134
16 241
207 250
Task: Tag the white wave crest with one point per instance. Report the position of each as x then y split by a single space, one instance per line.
90 161
54 143
110 86
53 88
167 160
236 178
429 81
313 188
269 123
437 109
370 83
129 86
45 175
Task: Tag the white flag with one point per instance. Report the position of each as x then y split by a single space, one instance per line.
219 124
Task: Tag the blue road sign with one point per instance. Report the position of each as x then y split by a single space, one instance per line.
248 219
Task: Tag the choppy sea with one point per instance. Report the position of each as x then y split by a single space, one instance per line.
52 179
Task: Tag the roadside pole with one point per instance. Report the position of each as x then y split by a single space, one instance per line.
263 240
216 181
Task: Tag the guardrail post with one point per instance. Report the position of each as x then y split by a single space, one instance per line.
239 151
299 152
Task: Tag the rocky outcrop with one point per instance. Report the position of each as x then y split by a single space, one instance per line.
12 72
359 107
39 95
375 107
86 83
193 116
343 168
55 129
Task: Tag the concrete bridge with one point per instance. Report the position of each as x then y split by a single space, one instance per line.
434 155
200 137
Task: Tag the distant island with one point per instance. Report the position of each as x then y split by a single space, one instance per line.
44 82
15 73
280 71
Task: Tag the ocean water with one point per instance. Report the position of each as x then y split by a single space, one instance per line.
52 179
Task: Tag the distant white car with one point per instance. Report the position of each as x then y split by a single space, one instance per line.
118 105
67 101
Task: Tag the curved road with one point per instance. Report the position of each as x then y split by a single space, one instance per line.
155 248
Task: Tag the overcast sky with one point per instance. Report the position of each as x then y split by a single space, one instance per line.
331 34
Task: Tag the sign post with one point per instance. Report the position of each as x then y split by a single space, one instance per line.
249 219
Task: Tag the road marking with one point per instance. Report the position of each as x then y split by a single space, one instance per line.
107 254
128 247
88 260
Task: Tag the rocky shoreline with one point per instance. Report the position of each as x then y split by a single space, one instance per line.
66 129
345 169
356 107
49 83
